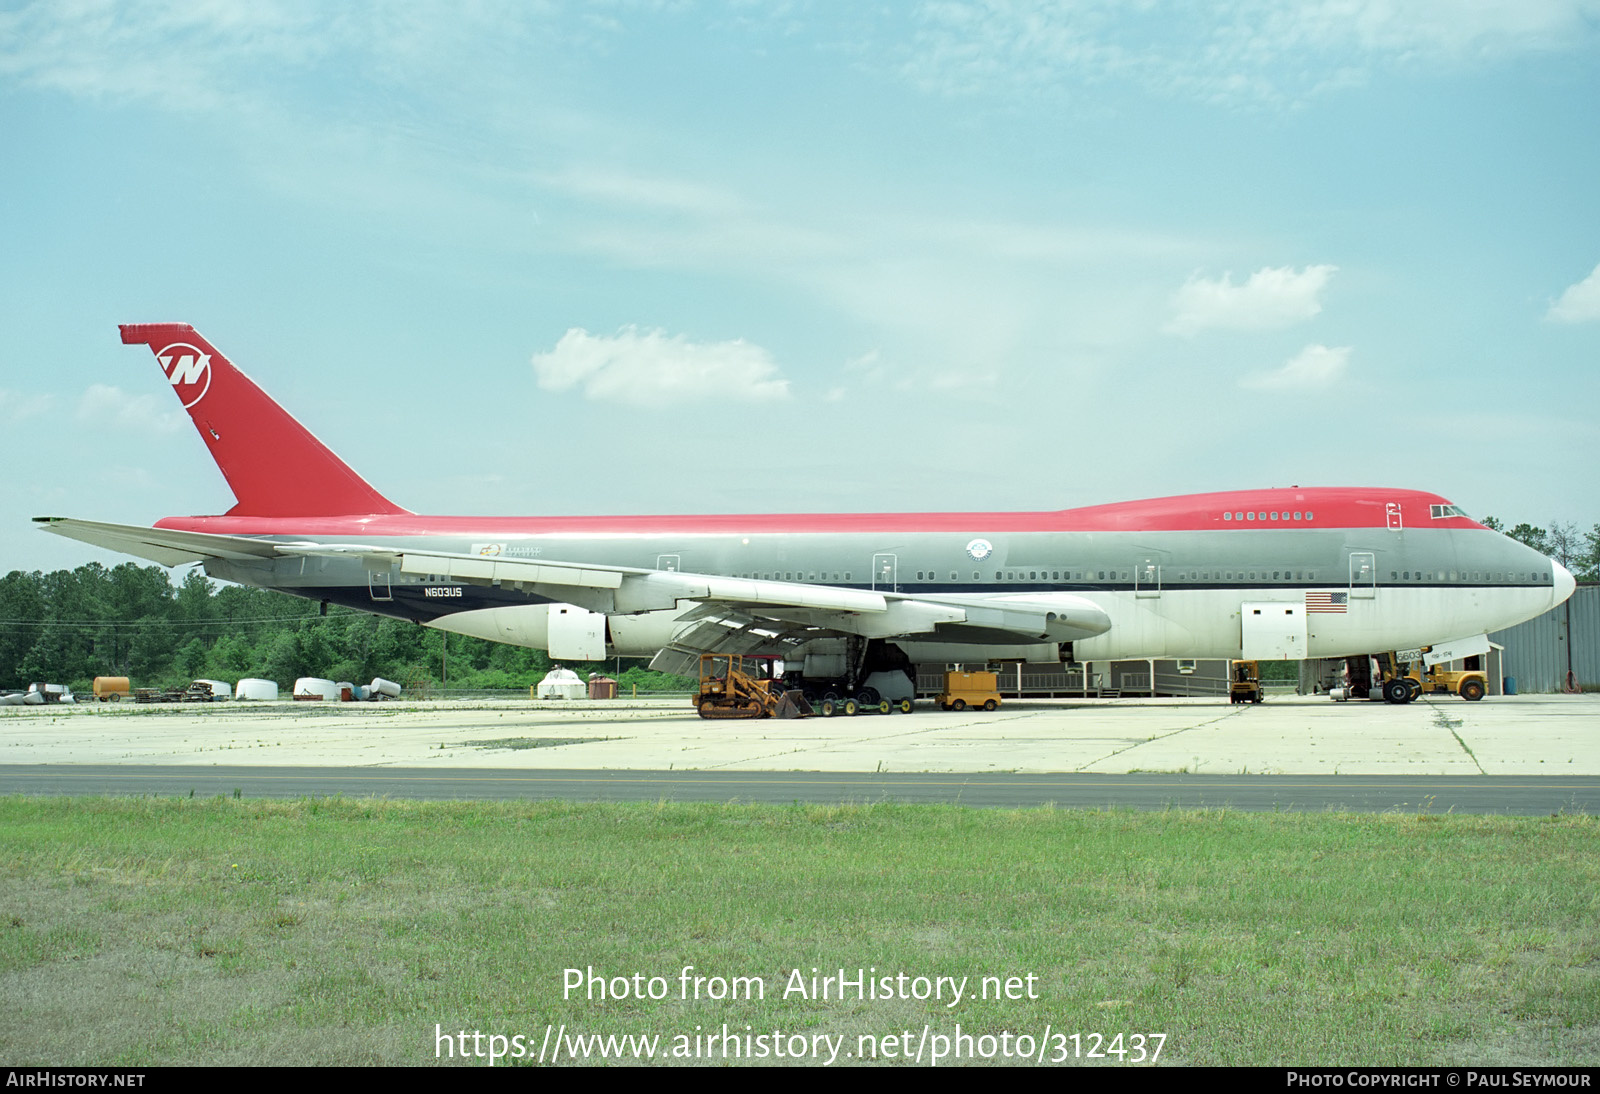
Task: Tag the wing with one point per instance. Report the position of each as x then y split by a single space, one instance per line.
731 614
719 614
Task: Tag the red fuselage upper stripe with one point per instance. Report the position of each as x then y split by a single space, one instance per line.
1292 509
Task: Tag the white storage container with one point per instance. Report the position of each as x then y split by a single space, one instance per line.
315 687
562 684
380 686
256 689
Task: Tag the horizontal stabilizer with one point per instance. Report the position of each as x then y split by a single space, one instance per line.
161 545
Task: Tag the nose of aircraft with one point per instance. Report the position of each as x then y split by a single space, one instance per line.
1565 583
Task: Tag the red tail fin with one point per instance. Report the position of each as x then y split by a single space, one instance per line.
274 465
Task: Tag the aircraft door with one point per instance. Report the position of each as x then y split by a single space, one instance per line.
1392 512
884 566
378 587
1147 579
1363 575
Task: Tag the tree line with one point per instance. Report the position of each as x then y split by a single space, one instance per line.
70 626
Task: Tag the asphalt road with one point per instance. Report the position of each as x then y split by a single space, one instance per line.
1512 795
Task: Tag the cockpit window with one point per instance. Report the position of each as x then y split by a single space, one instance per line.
1438 511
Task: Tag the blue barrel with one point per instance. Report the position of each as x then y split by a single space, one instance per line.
1511 685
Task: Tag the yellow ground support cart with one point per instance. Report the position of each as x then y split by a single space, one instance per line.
969 689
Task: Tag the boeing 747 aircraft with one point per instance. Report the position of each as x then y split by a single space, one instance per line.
1256 574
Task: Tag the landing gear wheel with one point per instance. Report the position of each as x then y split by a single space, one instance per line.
1472 690
1395 691
958 704
868 697
990 704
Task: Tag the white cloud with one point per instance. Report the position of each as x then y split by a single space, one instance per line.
17 405
631 190
1272 298
1580 303
1314 367
104 405
650 368
1238 51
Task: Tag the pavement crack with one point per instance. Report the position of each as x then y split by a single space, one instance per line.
1442 719
1231 712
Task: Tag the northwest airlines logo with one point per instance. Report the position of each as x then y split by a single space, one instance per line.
188 370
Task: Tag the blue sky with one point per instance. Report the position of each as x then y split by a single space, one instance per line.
683 257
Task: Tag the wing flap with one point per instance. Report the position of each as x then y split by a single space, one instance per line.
631 589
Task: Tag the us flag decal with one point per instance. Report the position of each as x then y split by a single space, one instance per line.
1327 602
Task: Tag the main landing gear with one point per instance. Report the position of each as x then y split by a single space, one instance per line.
1380 675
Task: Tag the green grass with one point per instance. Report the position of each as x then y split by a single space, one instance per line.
153 931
